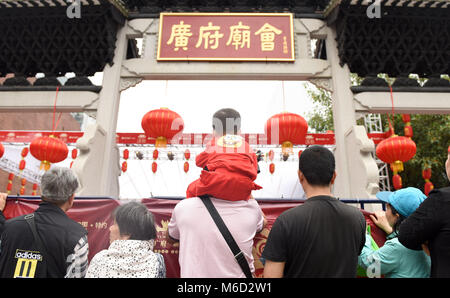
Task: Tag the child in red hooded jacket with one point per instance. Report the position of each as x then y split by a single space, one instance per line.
229 164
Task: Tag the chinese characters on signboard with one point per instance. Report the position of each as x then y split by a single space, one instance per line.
226 37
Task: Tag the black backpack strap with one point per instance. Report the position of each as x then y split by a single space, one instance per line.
238 254
40 245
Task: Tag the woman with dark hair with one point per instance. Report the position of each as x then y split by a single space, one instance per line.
130 253
393 259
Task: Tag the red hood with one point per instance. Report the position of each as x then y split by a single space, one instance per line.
230 173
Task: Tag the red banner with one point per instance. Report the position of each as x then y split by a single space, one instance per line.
182 139
226 37
95 215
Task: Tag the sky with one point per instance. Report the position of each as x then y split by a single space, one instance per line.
197 101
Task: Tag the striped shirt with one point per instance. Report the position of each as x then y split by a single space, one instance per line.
78 260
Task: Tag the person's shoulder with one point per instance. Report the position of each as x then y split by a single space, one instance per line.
14 222
99 256
72 227
188 203
351 209
296 212
440 194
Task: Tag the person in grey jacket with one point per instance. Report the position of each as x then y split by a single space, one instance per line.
64 249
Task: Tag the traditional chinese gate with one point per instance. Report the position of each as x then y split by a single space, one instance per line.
405 37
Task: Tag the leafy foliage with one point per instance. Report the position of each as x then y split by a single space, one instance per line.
431 135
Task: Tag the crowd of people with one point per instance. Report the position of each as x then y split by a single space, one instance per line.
216 223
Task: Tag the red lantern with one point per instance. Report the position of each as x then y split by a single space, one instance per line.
124 166
271 155
396 150
155 154
22 163
24 152
428 187
426 174
272 168
397 181
10 179
126 154
23 182
286 129
154 167
186 166
48 150
162 124
408 128
35 187
74 153
2 150
187 154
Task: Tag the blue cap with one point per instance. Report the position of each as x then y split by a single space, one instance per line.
405 200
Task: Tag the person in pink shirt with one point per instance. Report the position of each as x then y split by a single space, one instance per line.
203 252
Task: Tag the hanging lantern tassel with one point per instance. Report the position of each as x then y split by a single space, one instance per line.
426 174
10 180
287 148
124 166
408 128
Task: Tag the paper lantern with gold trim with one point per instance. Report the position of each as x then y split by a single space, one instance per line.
286 129
48 150
426 174
396 150
2 150
162 124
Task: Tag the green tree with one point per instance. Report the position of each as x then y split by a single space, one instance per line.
321 118
431 135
